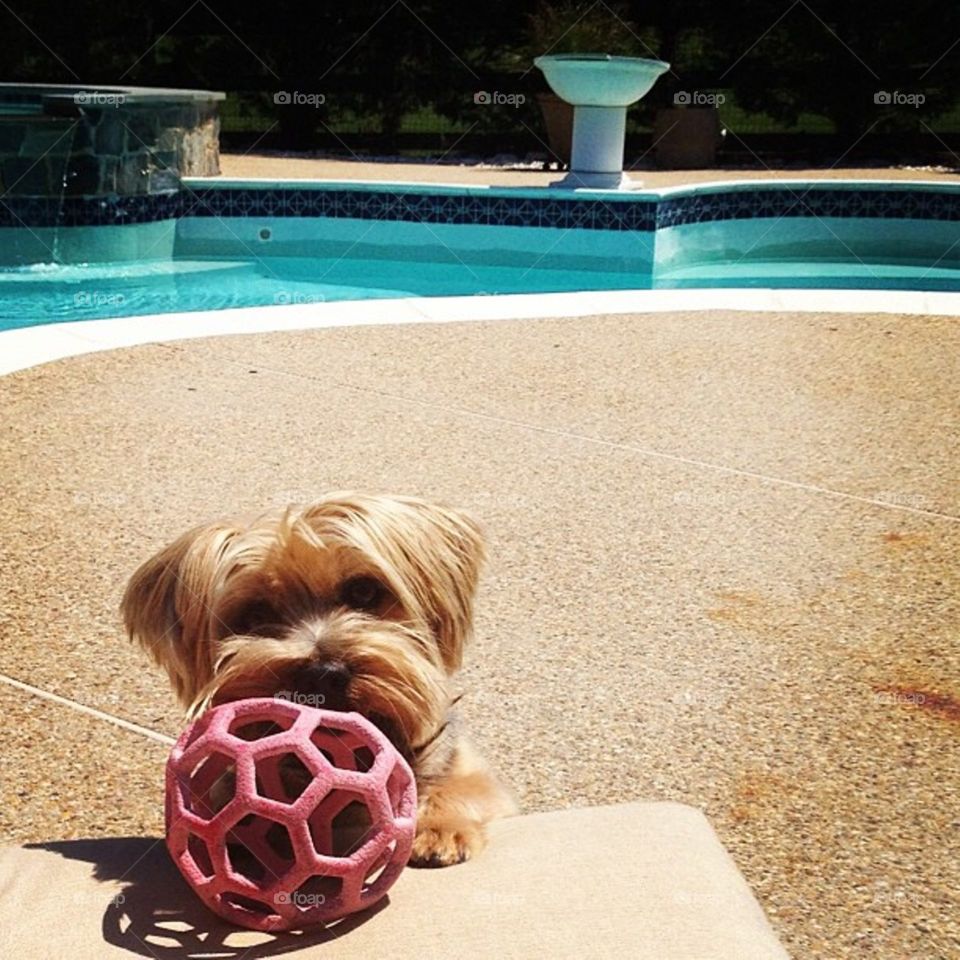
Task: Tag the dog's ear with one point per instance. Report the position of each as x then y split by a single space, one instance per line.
454 555
168 606
439 552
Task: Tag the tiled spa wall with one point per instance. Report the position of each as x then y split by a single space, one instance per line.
76 162
103 142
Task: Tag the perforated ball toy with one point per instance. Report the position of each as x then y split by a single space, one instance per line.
281 815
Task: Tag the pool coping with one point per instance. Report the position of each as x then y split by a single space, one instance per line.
638 193
27 347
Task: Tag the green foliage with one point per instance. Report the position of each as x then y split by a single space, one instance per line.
376 62
584 27
835 59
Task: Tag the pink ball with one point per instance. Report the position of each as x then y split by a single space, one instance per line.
281 815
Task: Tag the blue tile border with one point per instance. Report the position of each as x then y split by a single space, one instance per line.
474 207
424 208
89 211
785 202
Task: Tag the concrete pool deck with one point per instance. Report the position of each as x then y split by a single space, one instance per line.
724 571
322 168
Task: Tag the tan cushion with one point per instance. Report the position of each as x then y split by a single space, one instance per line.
642 880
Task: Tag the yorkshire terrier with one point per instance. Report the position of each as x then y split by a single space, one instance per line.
353 602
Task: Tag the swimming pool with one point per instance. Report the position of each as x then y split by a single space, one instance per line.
221 244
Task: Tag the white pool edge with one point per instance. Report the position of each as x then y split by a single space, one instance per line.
640 190
31 346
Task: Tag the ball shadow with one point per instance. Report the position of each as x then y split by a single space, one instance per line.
155 914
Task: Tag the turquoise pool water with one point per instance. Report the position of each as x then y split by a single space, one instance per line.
51 293
58 293
215 263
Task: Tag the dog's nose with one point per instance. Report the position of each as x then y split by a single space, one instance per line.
327 682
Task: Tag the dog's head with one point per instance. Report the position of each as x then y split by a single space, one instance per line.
353 602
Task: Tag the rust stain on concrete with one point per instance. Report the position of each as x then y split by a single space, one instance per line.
942 705
737 604
754 791
896 539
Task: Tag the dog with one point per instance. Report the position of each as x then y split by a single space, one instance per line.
353 602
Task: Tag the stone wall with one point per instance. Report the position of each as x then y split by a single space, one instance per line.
66 147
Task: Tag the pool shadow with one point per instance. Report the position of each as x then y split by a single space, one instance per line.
155 914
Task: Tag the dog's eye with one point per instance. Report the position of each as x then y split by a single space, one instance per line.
362 593
257 618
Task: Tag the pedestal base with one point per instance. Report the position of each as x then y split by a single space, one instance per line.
581 180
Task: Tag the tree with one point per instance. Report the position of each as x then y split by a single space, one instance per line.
836 59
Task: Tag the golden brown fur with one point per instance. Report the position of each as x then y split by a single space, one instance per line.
353 602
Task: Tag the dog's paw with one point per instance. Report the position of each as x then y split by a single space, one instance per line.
441 844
